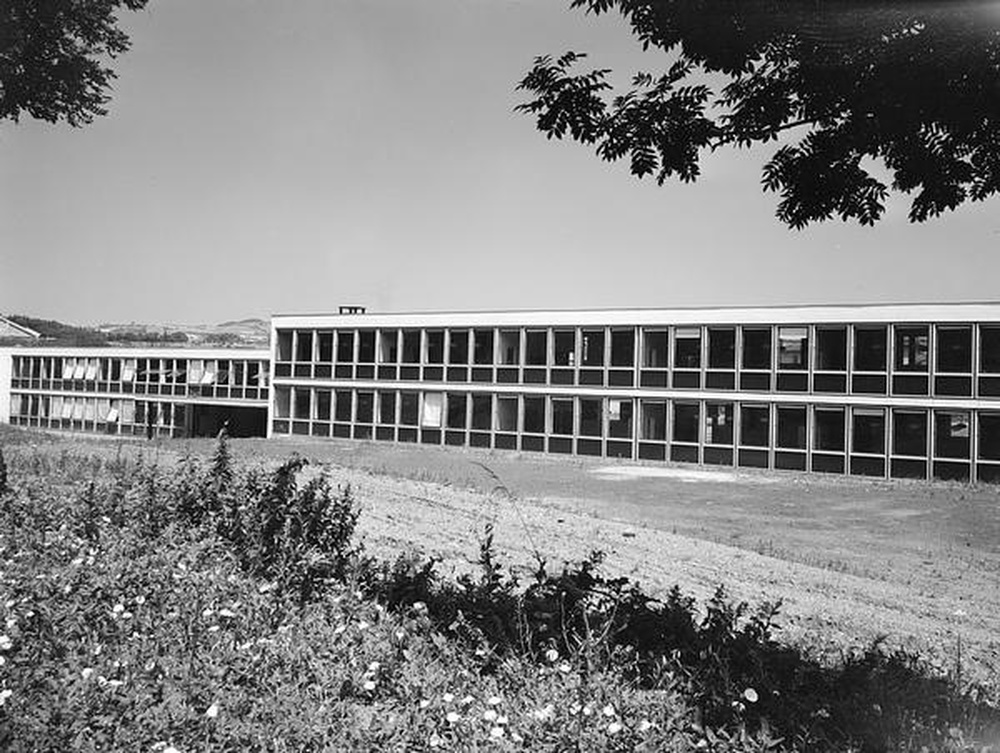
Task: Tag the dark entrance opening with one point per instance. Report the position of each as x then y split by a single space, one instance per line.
240 421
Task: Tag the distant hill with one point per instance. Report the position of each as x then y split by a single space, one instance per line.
54 332
237 333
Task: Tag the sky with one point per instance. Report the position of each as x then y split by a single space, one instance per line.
270 157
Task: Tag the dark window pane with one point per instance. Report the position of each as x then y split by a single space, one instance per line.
687 349
411 346
721 348
831 349
303 345
482 352
623 347
757 349
989 436
792 428
342 406
619 418
482 417
387 407
868 431
365 408
793 348
325 346
458 346
954 350
951 434
593 347
510 347
686 422
911 348
869 348
989 350
562 417
719 423
909 433
536 345
828 432
591 417
654 420
754 426
654 349
345 346
565 347
534 415
409 408
456 411
435 346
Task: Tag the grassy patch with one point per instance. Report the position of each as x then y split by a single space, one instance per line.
210 605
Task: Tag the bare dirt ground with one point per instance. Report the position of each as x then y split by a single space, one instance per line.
851 559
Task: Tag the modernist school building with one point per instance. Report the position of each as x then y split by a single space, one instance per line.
900 391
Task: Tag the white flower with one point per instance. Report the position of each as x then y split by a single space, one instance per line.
493 700
6 643
118 608
502 719
490 715
608 710
614 728
212 711
227 613
496 733
369 685
400 635
140 600
419 607
435 740
86 672
547 712
424 703
2 660
516 737
645 725
374 666
467 700
588 710
4 695
552 655
207 613
339 629
452 717
565 667
363 625
750 694
447 698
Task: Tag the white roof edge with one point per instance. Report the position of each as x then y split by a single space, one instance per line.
101 351
802 314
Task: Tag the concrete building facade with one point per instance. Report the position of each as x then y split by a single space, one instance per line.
893 391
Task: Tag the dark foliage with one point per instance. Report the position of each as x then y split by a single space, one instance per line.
66 334
53 55
914 86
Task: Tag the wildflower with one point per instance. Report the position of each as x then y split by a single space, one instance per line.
264 588
565 668
213 629
4 695
424 703
115 683
574 709
6 643
496 733
502 719
614 728
374 666
2 660
363 625
516 737
608 710
369 685
588 710
552 655
750 694
400 635
117 609
493 700
339 629
419 607
212 711
451 717
645 725
206 613
140 600
11 622
435 740
447 698
467 700
86 672
228 613
490 715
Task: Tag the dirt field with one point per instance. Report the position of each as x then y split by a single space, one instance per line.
851 559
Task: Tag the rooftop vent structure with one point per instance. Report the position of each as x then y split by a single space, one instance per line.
352 309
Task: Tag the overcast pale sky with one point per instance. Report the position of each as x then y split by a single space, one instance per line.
265 157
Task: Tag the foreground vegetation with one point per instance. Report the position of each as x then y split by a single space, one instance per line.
212 606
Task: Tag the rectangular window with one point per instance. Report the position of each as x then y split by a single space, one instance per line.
831 348
828 429
303 402
434 339
989 435
686 420
870 348
954 350
868 431
623 348
687 348
792 427
909 433
342 406
719 423
565 347
345 346
324 347
754 426
386 407
482 412
510 347
365 408
284 346
989 349
793 348
433 406
283 402
593 348
536 347
506 414
654 348
591 417
482 346
951 434
456 410
721 348
409 408
388 340
458 346
534 415
324 403
620 418
303 345
911 348
654 420
562 416
757 348
411 346
366 346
